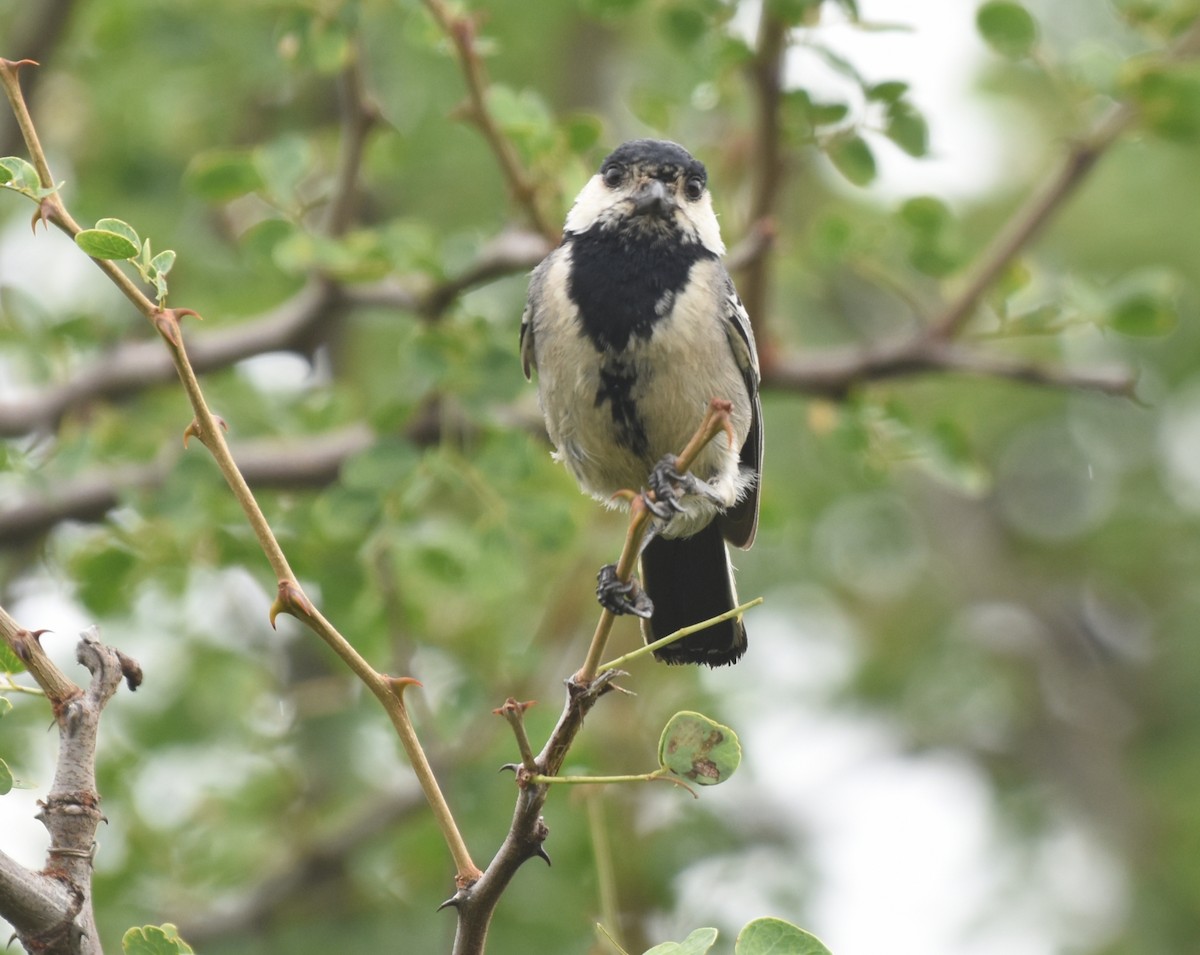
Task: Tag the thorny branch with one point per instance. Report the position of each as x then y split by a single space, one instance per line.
207 429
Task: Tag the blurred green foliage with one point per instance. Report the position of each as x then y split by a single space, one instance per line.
1016 565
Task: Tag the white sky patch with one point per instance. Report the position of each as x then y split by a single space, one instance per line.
875 847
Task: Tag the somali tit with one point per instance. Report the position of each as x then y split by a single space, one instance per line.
634 326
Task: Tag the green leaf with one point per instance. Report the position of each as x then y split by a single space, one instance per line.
18 174
697 943
683 24
852 157
888 91
776 937
1007 28
794 12
121 228
926 215
583 131
103 573
154 940
9 661
101 244
946 453
329 45
700 750
825 114
1168 100
6 779
907 128
110 239
1144 313
610 9
163 262
223 174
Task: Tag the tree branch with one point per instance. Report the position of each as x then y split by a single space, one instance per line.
766 77
51 910
298 324
835 372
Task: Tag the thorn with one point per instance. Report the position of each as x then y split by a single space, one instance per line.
453 902
515 767
41 214
291 600
193 430
513 706
167 323
401 683
541 853
166 320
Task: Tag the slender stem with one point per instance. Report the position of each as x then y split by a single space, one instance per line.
9 78
210 431
539 780
679 634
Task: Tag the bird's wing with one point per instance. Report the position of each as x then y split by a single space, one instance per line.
740 522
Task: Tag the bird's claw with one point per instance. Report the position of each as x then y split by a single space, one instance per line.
667 484
622 597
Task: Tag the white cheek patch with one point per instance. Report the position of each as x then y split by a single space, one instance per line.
704 221
593 201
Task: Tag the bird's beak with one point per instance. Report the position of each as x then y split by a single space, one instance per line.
652 199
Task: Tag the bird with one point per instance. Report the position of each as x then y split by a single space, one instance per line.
633 325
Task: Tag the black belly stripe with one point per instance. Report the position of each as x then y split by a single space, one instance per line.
617 381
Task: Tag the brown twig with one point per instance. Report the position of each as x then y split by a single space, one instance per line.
209 431
461 30
1030 218
835 373
360 115
766 76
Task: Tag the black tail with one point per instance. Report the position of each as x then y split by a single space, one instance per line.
690 580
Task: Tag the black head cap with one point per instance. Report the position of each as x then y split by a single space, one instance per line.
659 154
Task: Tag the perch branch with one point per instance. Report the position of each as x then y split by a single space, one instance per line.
476 903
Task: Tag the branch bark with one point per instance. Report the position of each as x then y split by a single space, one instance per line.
51 910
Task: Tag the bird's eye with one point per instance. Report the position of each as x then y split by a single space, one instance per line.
613 175
694 188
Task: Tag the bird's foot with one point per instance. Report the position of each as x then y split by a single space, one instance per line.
669 485
621 597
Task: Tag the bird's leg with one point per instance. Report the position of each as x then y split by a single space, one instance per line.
622 597
669 485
